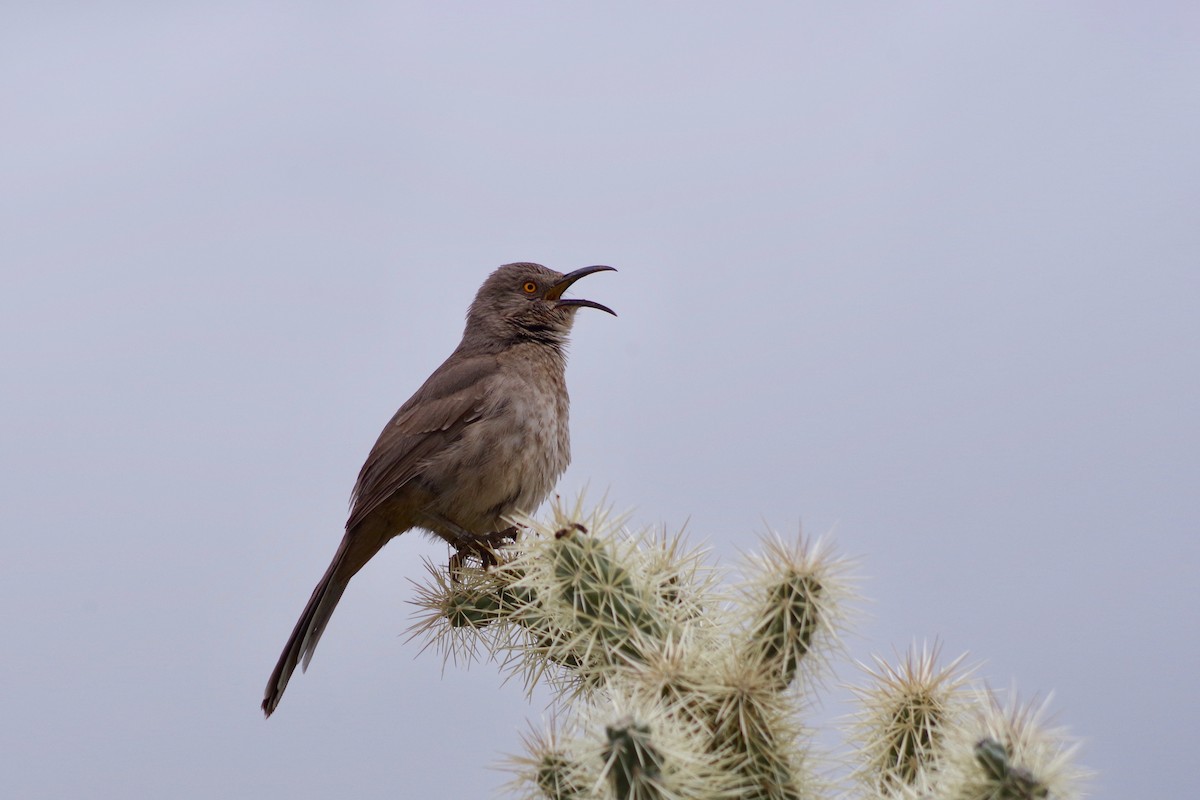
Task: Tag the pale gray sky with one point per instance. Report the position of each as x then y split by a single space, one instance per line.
923 274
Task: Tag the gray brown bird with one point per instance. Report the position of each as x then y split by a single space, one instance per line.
485 437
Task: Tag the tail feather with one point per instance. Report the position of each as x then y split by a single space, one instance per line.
349 559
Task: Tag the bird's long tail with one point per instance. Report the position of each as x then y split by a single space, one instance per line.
349 559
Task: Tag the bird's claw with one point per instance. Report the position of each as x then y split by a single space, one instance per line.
482 548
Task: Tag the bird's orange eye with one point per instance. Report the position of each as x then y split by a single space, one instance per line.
530 287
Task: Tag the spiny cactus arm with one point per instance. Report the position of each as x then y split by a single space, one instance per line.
553 769
591 590
906 713
1006 751
578 593
625 745
925 731
599 590
1007 779
460 614
793 603
753 725
632 763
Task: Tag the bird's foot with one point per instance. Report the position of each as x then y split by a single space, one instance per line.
481 547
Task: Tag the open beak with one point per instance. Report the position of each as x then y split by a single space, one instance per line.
555 291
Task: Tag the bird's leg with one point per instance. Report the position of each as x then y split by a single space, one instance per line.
467 544
507 536
484 545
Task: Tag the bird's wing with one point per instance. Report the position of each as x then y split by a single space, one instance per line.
451 399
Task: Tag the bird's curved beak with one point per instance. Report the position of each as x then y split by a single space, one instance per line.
555 292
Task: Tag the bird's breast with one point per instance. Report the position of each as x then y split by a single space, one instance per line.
509 460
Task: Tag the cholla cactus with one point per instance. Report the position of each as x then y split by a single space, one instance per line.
1004 751
906 714
668 687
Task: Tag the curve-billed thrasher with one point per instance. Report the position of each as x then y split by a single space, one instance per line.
485 437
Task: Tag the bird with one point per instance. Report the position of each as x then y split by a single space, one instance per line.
485 437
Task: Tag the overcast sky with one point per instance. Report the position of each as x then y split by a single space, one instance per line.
924 275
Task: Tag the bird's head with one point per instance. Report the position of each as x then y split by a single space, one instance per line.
524 301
